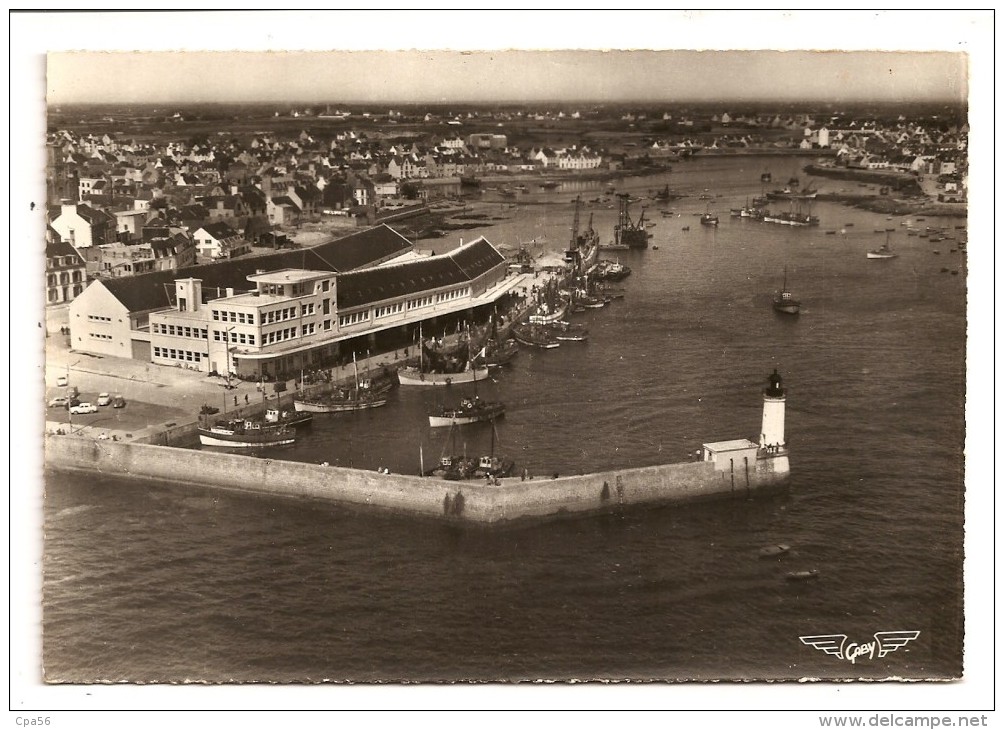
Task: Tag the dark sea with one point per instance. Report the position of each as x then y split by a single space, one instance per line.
160 582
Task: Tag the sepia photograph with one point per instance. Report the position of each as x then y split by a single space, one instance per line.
617 363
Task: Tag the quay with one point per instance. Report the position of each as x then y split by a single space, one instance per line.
727 469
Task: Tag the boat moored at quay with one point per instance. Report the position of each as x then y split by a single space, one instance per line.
246 434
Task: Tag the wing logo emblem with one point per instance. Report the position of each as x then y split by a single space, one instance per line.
836 645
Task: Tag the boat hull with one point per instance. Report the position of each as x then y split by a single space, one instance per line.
243 441
322 407
408 376
787 307
461 419
554 316
530 340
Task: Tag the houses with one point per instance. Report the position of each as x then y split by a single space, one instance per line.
65 272
219 241
159 249
82 226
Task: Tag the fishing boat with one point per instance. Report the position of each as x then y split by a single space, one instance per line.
460 468
547 313
246 434
549 184
497 351
611 271
628 232
568 331
416 376
443 366
341 400
534 336
551 305
470 410
882 252
784 302
277 417
709 220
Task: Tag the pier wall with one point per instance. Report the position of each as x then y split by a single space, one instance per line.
474 502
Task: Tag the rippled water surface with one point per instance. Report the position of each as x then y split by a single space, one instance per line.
162 582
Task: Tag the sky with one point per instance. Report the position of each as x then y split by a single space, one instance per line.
512 56
389 77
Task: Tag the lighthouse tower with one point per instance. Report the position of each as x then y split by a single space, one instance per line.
772 428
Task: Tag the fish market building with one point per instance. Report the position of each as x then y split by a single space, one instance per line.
271 317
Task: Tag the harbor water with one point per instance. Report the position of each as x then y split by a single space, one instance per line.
159 582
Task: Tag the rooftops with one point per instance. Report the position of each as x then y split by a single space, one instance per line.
733 445
288 276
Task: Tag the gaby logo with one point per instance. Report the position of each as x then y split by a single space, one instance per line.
837 645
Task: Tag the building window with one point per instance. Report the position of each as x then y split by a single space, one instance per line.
216 315
325 285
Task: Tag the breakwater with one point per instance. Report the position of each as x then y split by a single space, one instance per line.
468 502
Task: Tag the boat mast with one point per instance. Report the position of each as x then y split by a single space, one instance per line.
575 224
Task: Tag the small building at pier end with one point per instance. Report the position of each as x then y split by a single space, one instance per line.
275 322
740 456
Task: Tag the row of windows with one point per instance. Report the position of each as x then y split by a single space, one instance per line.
420 302
98 318
54 294
172 354
288 333
454 294
179 331
100 336
222 315
64 278
236 337
346 319
279 315
389 309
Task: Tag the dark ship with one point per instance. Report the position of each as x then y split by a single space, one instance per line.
627 232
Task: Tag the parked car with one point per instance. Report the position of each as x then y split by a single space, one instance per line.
62 381
83 408
118 402
71 401
104 399
59 400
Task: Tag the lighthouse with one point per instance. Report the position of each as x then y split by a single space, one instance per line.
772 427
